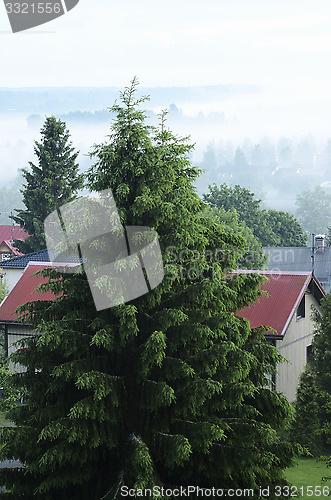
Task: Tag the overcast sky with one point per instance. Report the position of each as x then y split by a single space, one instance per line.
177 42
284 46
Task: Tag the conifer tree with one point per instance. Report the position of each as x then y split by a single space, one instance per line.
168 390
250 256
48 185
311 427
308 428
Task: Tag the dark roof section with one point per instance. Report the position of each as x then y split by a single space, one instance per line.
40 256
300 259
285 291
24 291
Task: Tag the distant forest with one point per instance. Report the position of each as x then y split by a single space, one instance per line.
63 99
275 170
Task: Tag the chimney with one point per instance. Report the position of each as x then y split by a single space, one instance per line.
319 243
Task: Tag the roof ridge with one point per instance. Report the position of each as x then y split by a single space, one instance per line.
273 271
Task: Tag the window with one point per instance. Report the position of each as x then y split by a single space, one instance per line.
301 311
308 353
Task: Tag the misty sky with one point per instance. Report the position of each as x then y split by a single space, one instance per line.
283 46
105 43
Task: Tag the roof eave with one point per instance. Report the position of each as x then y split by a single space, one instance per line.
13 322
275 337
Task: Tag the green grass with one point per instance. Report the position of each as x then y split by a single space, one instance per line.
309 472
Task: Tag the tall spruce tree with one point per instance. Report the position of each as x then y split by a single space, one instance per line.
321 365
168 390
311 426
313 407
308 428
48 185
250 256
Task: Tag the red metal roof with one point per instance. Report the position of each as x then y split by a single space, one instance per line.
24 291
11 247
285 291
12 232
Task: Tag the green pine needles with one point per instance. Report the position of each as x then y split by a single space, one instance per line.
168 390
311 427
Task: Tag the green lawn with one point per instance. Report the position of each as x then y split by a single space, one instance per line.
309 472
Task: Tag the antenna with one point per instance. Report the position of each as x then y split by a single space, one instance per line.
313 253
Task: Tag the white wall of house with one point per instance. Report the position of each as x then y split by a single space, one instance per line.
293 347
12 275
15 333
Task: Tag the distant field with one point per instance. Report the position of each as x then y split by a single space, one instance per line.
309 472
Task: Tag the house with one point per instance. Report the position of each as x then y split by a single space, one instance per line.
287 310
7 250
316 258
7 236
12 269
24 291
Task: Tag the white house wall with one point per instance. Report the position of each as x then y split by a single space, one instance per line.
15 333
11 276
294 348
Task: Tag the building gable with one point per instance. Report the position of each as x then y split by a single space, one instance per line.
285 291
